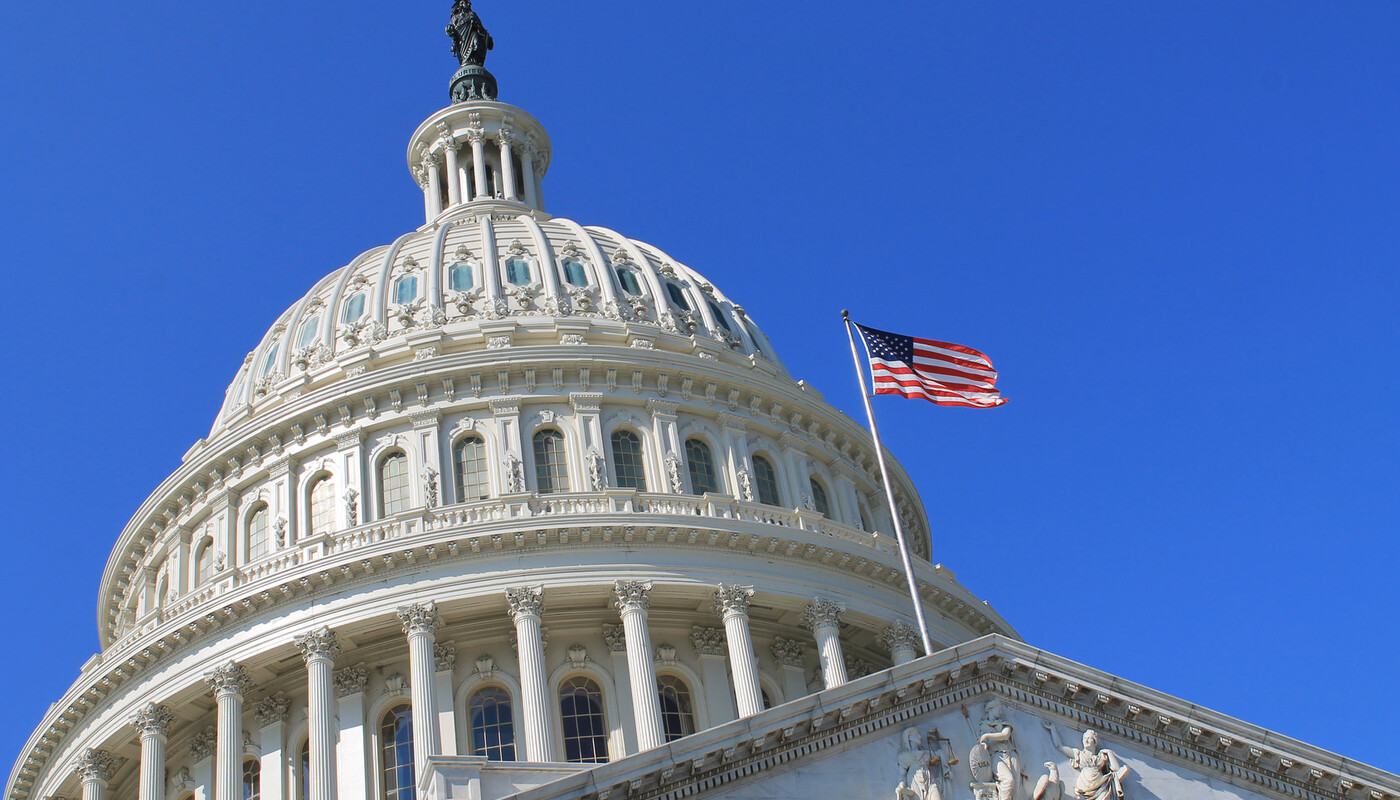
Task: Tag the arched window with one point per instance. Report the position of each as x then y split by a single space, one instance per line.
304 763
819 500
551 471
677 296
517 271
354 307
585 725
767 698
628 279
492 724
322 506
701 464
406 289
396 753
574 274
393 484
469 464
765 480
459 277
259 533
719 317
308 332
627 460
252 779
204 562
677 712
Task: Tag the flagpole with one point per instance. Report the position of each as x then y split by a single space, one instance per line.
889 491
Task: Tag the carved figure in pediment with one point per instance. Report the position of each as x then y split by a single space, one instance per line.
1101 773
994 759
927 766
1049 786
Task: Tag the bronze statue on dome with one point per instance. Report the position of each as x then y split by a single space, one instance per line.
470 41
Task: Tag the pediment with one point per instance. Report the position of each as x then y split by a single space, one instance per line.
863 739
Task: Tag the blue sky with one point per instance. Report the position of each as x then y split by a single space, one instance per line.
1173 227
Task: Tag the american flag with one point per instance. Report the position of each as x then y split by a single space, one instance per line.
942 373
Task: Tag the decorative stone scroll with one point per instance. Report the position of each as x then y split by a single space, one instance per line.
202 745
154 720
430 486
707 641
821 613
525 600
272 710
419 617
900 635
733 599
352 507
787 652
318 643
632 595
444 657
100 765
351 680
231 678
614 638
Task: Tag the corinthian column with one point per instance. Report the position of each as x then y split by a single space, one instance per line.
631 599
902 641
319 647
505 137
420 623
823 617
154 723
732 604
526 605
95 768
228 682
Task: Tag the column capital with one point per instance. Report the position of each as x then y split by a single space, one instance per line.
272 710
444 657
97 765
525 600
505 136
351 680
419 617
821 613
318 643
900 635
615 638
632 595
732 599
662 408
787 652
154 720
229 679
707 641
202 744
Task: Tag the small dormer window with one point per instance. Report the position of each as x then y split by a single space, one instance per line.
574 274
308 332
354 307
677 296
460 277
628 279
719 317
517 271
406 290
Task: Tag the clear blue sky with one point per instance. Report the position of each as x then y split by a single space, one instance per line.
1173 226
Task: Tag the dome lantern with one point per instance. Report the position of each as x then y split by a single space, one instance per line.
477 151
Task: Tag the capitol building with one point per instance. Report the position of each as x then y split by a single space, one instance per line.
513 506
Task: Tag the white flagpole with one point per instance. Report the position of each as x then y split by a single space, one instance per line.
889 492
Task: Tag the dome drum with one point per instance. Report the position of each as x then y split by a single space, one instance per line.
479 153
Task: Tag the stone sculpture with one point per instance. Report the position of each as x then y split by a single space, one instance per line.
1101 773
996 768
926 765
1049 786
352 507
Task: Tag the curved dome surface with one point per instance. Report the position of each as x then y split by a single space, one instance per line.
449 282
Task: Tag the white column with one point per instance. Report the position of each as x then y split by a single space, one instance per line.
475 135
732 604
350 750
319 647
420 623
616 640
788 654
153 722
434 186
507 164
95 768
823 617
714 671
526 605
527 166
444 662
454 191
902 641
228 682
632 599
271 715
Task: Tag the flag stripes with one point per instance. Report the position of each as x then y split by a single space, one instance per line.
940 372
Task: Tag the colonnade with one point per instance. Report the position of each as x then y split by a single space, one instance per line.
465 184
420 621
